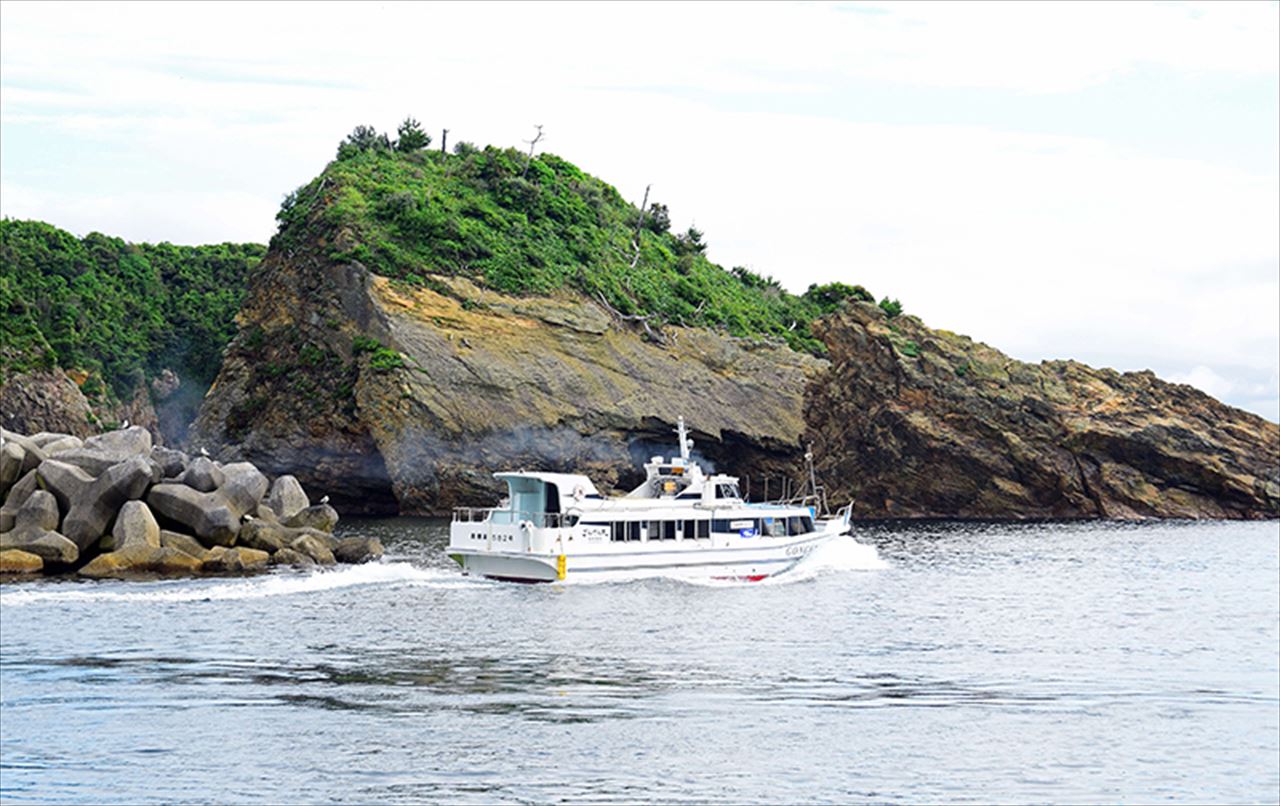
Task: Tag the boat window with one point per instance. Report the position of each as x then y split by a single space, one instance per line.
727 491
797 525
687 496
697 530
746 527
775 527
668 530
553 498
633 530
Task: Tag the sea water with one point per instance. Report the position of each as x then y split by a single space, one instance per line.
940 661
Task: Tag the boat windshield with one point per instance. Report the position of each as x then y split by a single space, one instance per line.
728 490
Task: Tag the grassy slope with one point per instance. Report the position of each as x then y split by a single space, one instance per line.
522 226
121 311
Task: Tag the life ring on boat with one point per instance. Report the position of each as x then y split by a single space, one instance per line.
579 492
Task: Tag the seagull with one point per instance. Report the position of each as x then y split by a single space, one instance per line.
324 500
248 516
203 452
124 425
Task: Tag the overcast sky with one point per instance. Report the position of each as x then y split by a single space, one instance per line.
1098 181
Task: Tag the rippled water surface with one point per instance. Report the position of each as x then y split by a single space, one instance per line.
1079 662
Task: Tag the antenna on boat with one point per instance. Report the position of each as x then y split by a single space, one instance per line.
685 442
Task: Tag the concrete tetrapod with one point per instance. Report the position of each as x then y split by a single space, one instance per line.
35 532
92 503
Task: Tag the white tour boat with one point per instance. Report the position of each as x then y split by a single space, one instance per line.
680 522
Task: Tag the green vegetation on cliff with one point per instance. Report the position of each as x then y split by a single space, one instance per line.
531 226
118 310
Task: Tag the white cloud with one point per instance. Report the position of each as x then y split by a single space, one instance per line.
1204 379
190 121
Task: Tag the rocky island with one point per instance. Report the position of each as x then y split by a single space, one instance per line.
423 319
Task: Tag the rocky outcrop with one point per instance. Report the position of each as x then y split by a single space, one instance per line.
124 512
914 422
51 401
45 400
391 397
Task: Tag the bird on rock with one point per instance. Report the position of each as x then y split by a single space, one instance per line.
203 452
324 500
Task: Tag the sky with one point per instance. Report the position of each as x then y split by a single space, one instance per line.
1097 181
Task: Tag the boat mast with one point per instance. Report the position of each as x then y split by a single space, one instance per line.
685 442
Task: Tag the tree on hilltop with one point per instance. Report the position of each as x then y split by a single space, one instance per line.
411 137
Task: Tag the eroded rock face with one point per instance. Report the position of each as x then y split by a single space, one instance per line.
913 422
444 389
44 401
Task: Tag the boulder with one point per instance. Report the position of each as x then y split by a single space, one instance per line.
64 443
93 461
134 525
327 540
287 498
98 501
358 550
245 486
67 482
46 438
262 535
13 561
99 454
39 511
203 475
183 543
32 454
314 548
132 441
236 559
265 513
12 457
320 516
288 556
34 531
172 463
16 497
206 514
140 559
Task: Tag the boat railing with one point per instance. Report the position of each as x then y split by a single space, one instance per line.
507 517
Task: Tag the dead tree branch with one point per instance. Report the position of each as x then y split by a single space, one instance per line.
532 145
655 337
635 240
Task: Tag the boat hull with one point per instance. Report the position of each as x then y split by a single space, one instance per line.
764 558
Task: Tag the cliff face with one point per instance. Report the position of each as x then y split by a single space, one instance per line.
390 396
914 422
44 400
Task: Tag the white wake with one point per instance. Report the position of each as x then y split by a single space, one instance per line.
279 583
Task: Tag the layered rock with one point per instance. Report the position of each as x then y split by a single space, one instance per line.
914 422
46 400
396 398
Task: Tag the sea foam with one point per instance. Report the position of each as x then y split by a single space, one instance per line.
279 583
